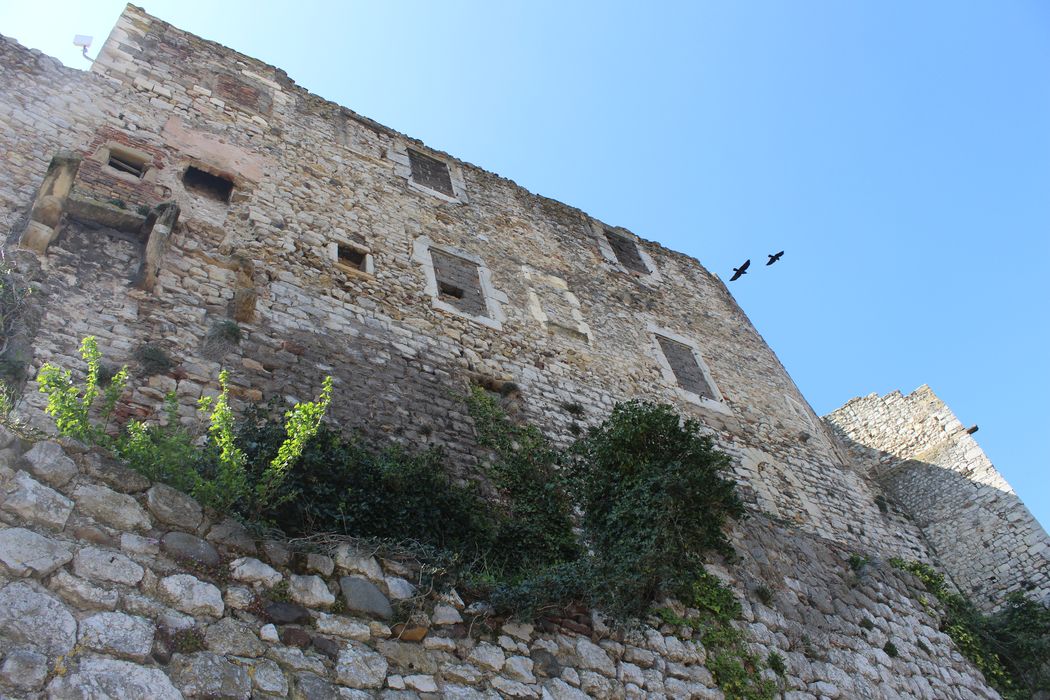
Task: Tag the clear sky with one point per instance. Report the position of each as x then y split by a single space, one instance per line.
899 151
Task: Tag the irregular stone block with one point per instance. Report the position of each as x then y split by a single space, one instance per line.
35 619
97 677
487 656
267 677
361 595
348 558
24 669
81 594
230 637
118 634
360 667
208 675
399 588
173 507
113 474
446 615
286 613
118 510
320 563
25 553
251 570
342 626
106 565
408 657
191 595
35 503
232 535
48 462
310 591
182 547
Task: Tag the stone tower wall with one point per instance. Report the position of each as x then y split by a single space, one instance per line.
977 528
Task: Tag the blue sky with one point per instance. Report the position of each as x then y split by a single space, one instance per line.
898 151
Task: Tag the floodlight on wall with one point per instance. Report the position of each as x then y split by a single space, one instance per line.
84 42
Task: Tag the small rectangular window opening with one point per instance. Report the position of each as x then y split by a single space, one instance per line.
351 257
686 369
430 172
626 251
127 163
207 184
458 283
447 290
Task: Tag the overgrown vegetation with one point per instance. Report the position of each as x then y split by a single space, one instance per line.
16 319
652 494
735 668
1010 647
218 475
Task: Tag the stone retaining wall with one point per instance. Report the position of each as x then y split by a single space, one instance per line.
114 587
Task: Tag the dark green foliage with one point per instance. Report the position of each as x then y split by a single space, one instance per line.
654 500
764 594
1011 647
867 624
857 562
183 641
891 650
341 485
152 359
534 528
776 663
882 503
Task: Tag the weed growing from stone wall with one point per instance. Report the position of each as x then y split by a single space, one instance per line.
219 476
1010 647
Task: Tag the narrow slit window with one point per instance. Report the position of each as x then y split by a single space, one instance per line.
626 251
207 184
127 163
687 371
430 173
458 282
352 257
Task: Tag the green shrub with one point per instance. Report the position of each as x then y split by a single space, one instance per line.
534 528
776 663
655 499
891 650
71 405
152 359
1010 647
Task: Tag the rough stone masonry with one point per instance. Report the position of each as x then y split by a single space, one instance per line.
185 201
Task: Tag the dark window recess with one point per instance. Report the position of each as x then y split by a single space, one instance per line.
626 252
351 257
127 164
206 184
430 172
458 282
685 367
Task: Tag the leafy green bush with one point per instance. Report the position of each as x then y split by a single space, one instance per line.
655 499
1010 647
71 405
535 524
218 476
341 485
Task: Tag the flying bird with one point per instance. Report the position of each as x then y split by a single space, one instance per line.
742 270
774 258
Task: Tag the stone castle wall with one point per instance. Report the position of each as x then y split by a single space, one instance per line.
977 528
111 586
348 249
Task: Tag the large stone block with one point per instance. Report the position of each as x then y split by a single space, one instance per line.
25 553
36 503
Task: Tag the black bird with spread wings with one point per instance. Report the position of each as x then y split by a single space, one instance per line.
774 258
742 270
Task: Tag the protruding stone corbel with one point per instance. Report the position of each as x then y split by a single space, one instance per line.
157 230
50 203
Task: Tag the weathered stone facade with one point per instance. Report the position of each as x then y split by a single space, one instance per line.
977 529
332 259
191 202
